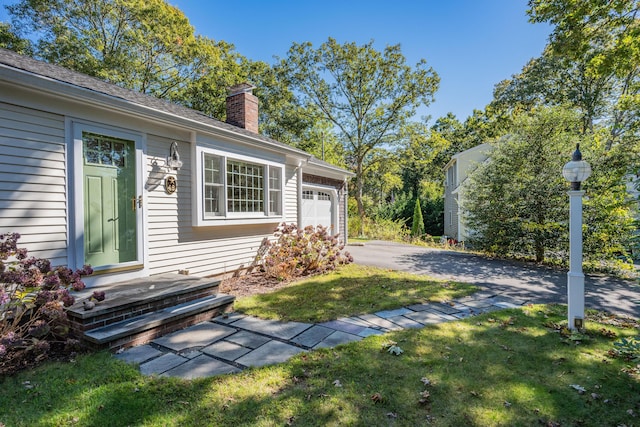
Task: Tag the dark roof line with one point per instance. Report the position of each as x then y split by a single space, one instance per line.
74 78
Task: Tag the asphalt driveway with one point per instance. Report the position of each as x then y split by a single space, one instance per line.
525 282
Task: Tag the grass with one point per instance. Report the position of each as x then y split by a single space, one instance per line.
506 368
351 290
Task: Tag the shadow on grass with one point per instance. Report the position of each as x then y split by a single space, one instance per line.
350 291
500 368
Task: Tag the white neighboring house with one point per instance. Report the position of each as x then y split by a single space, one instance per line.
456 172
85 177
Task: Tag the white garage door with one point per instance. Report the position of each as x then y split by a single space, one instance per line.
317 209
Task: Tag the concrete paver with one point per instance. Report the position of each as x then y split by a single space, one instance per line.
226 350
139 354
283 330
201 367
337 338
348 327
162 364
385 314
248 339
429 317
379 321
405 322
313 335
367 332
195 336
269 354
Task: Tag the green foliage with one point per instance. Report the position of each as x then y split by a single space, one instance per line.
592 63
517 201
627 348
402 209
33 296
299 252
417 226
368 95
10 40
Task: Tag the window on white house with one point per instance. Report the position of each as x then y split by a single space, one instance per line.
239 188
451 175
275 190
213 185
245 187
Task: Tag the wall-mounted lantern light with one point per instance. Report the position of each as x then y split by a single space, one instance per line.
173 161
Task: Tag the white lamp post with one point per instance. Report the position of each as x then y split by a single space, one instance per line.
576 171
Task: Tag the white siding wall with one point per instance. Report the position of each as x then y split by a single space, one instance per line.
32 181
174 243
290 194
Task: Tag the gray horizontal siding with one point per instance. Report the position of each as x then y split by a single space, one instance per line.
174 243
33 181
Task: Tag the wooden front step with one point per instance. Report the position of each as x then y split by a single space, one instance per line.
137 311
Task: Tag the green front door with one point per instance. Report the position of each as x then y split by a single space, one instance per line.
109 177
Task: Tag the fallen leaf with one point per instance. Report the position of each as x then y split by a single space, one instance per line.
425 381
579 388
395 350
474 393
377 398
424 397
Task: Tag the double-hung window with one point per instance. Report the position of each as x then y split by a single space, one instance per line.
236 188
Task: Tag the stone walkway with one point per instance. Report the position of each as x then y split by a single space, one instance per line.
231 343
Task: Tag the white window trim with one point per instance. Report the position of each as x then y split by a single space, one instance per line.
237 218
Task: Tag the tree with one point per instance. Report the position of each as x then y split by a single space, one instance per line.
145 45
369 96
516 203
10 40
417 227
603 39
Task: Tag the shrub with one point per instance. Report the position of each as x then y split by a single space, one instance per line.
32 300
417 227
298 252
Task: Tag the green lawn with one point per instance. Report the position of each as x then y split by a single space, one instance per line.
351 290
511 367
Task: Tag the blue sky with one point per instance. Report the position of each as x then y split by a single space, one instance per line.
471 44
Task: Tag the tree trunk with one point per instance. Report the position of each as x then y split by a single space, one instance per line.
359 191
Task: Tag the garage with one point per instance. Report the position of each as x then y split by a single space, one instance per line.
318 208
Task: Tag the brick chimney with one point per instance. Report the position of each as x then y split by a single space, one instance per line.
242 107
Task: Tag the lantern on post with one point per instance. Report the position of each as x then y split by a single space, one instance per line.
576 171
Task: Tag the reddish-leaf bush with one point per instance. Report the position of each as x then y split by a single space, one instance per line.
298 252
33 295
